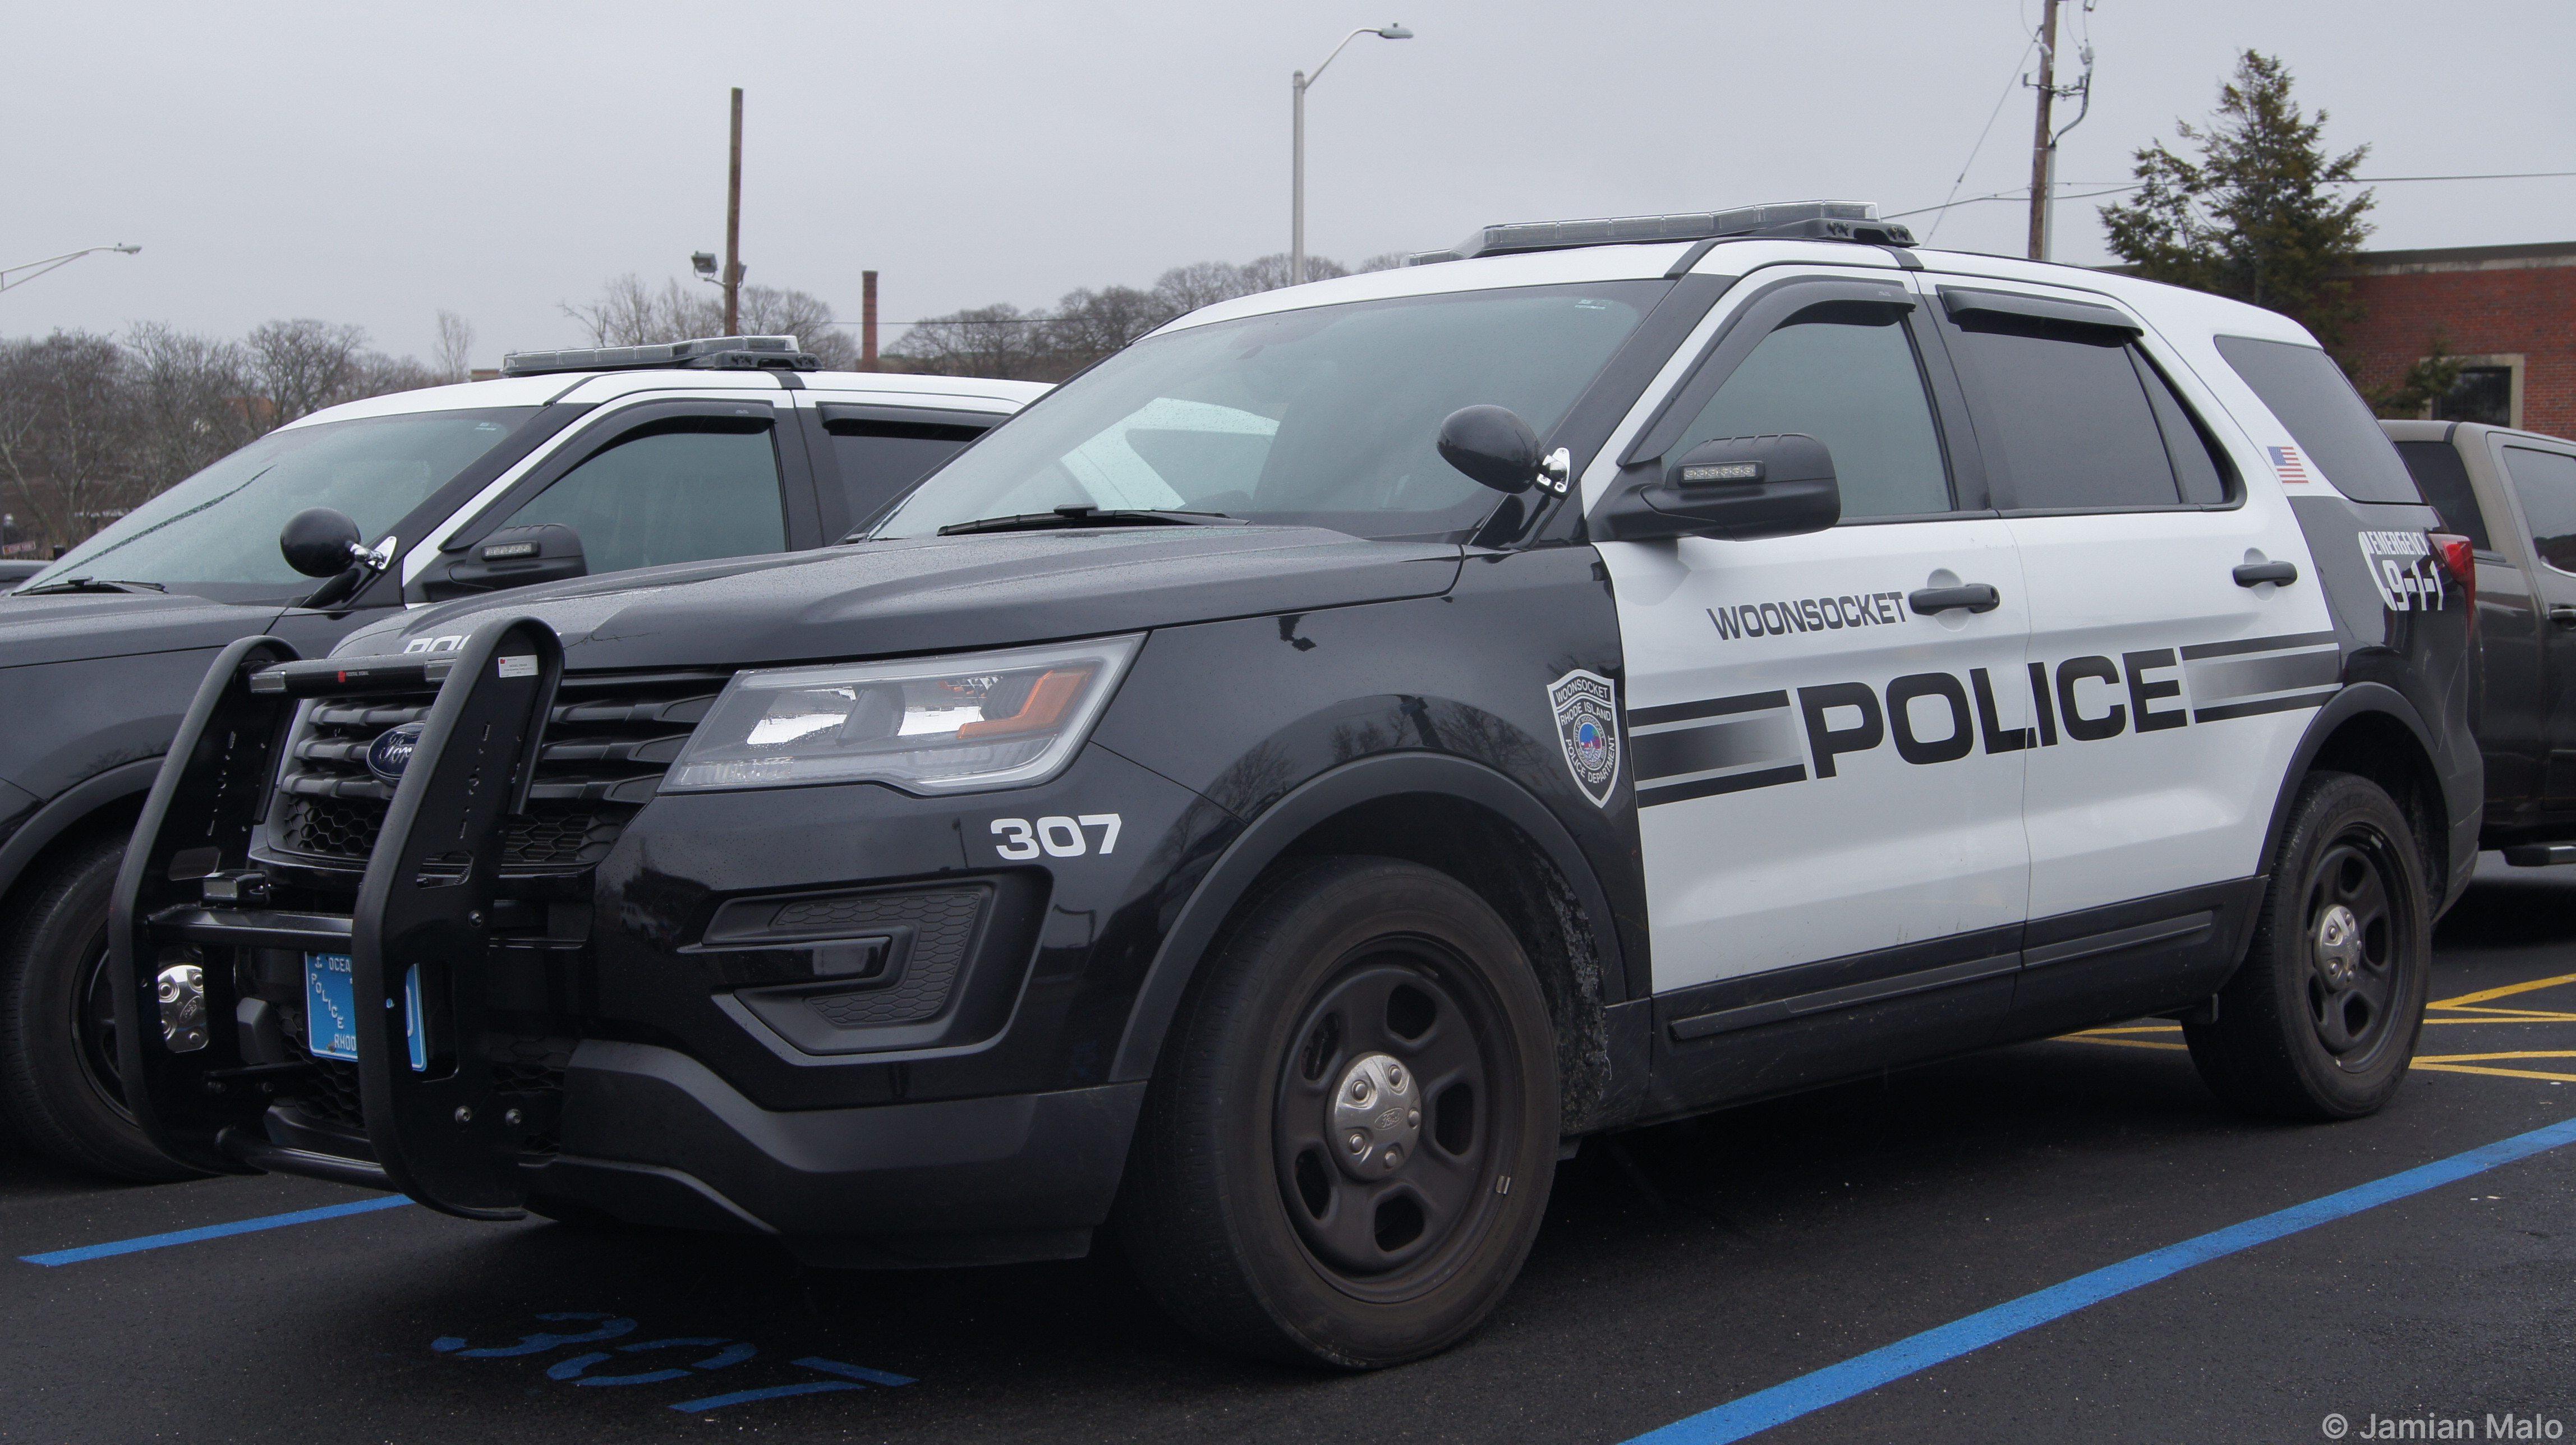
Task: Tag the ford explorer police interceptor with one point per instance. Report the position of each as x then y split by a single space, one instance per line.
1272 794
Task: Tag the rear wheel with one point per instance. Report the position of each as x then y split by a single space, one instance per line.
2321 1019
58 1064
1348 1150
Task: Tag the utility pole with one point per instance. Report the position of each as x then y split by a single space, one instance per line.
2043 154
867 321
733 213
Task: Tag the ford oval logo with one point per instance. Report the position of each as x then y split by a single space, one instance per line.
391 752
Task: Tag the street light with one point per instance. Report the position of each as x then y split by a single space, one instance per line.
1297 184
55 263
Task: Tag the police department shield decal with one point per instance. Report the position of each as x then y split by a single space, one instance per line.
1587 723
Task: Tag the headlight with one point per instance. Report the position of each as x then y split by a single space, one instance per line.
929 725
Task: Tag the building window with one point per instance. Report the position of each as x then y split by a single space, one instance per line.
2483 394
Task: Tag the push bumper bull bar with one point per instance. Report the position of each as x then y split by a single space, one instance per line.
441 1128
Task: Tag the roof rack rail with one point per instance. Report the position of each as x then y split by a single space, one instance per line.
1811 220
705 353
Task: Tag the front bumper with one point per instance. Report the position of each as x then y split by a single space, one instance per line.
653 1136
616 1040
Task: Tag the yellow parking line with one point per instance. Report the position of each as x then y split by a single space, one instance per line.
2089 1038
2511 1018
2130 1029
2541 1013
2511 988
2499 1073
2477 1058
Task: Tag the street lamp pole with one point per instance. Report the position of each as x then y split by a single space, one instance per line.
35 269
1297 146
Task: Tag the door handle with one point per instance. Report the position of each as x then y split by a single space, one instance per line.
1975 596
2254 574
2562 616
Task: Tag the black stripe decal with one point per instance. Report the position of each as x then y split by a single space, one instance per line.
1711 787
1726 1021
1739 742
2256 644
1646 717
2270 704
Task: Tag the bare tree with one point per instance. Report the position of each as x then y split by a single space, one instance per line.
192 400
630 313
64 433
303 366
454 359
998 341
1089 325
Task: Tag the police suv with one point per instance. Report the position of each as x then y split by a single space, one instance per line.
571 464
1277 792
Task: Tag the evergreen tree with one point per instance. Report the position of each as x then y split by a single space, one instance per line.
2258 216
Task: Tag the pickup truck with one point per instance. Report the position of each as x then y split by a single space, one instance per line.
2513 495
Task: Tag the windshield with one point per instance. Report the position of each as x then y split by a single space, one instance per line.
216 532
1327 416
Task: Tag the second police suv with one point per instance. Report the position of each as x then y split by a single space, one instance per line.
1273 795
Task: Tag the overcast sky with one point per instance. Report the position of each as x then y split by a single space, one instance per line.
372 164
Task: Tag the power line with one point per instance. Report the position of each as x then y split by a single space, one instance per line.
2022 192
1962 177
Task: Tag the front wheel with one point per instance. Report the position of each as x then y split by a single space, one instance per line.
58 1065
1347 1151
2320 1021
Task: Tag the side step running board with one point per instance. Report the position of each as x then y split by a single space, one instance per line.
2540 855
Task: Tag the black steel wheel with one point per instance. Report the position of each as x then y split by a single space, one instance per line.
1349 1147
2322 1017
58 1063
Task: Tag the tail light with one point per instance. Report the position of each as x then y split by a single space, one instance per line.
2460 559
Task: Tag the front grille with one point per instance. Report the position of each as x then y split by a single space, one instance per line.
607 743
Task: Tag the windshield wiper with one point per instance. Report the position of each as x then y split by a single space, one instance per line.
1091 517
90 584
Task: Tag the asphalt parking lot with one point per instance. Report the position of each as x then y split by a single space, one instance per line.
1729 1259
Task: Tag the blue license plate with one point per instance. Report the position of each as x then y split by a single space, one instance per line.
331 1010
330 1006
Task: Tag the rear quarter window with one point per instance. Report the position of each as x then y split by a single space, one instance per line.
2312 397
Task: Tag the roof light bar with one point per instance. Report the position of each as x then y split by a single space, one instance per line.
706 353
1813 220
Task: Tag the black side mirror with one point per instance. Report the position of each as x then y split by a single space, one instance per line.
1492 445
1738 488
321 542
510 557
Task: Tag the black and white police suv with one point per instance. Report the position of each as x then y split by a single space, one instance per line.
572 463
1278 790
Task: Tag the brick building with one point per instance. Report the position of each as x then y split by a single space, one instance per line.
2509 313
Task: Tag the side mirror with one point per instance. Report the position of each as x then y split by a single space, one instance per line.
510 557
321 542
1737 488
1493 445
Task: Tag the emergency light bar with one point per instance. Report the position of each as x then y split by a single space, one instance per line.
706 353
1811 220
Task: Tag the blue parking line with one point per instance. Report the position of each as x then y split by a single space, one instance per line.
1834 1384
215 1231
774 1392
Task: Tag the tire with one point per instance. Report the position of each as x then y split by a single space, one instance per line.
58 1066
2320 1020
1247 1215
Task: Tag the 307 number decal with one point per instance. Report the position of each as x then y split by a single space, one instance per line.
1057 837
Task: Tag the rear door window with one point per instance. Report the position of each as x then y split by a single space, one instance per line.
2313 398
879 458
2074 417
2545 484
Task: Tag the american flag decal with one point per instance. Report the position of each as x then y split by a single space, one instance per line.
2285 460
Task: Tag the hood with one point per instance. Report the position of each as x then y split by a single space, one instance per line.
80 626
943 594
